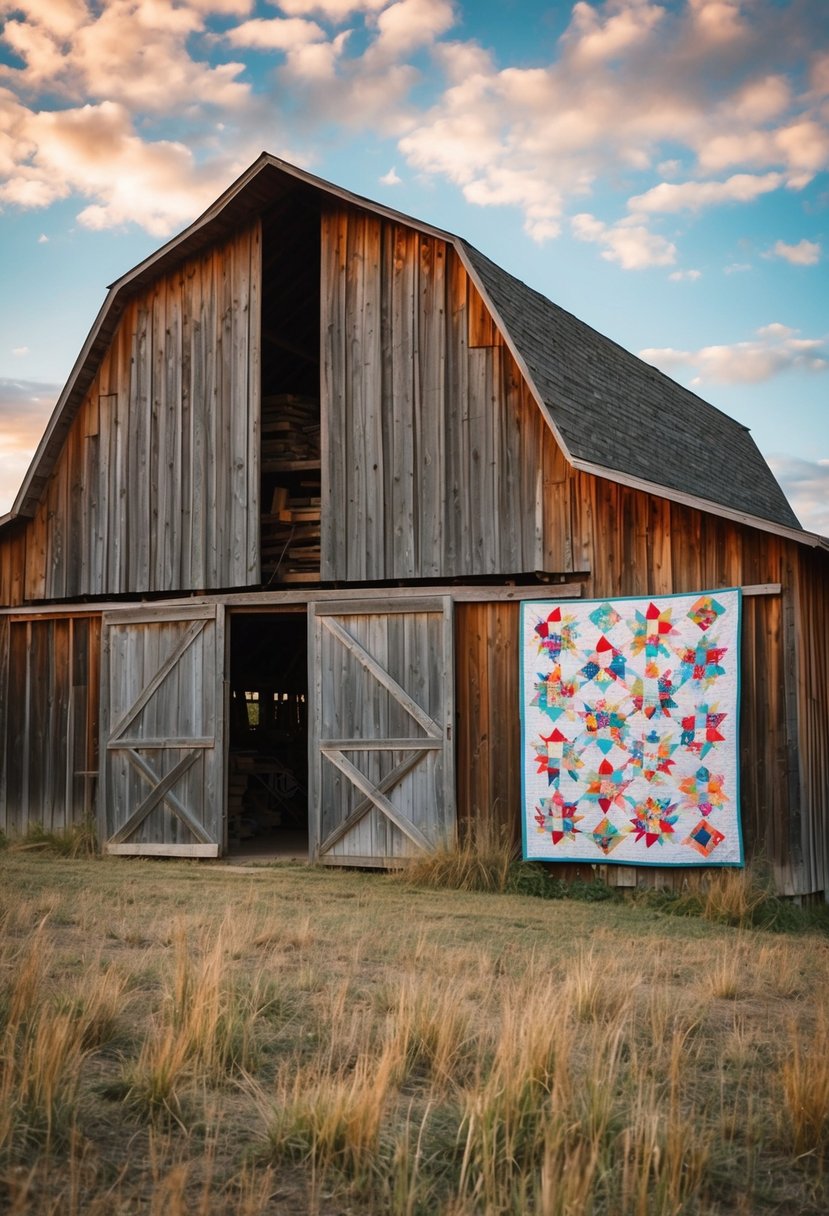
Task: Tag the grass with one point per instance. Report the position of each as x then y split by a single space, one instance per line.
175 1038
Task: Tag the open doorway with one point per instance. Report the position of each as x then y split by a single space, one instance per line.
267 802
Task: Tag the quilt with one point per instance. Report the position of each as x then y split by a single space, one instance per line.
630 731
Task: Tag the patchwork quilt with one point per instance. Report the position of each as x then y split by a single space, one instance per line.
630 731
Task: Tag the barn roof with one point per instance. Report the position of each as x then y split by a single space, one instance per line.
619 413
612 414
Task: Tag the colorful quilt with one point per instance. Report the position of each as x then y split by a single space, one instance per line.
630 731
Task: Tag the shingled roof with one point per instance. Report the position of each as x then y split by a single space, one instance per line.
613 414
613 410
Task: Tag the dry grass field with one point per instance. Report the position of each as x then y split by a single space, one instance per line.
179 1038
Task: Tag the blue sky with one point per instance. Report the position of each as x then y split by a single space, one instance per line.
660 169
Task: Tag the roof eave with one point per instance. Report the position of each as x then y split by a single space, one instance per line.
701 504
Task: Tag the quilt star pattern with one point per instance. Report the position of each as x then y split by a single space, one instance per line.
630 730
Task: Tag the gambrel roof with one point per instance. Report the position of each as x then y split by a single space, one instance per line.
616 412
612 414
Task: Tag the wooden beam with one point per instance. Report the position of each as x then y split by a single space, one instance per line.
382 803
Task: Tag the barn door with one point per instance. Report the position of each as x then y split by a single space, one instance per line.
381 759
162 746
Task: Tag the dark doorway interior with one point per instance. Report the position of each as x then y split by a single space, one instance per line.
268 761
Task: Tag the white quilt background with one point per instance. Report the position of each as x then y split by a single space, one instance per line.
630 730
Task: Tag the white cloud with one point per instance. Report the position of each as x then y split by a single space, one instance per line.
632 245
718 20
95 152
737 268
669 196
774 349
136 52
333 10
806 485
679 276
695 88
391 178
43 239
275 34
20 351
804 253
591 39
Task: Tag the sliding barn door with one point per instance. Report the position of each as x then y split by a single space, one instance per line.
382 783
162 747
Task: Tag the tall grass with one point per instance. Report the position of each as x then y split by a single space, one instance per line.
301 1042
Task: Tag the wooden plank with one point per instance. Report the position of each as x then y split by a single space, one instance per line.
430 442
382 745
254 406
161 674
385 786
176 805
161 741
370 663
379 800
155 796
403 404
149 849
762 589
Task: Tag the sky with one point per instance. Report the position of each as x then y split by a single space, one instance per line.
658 169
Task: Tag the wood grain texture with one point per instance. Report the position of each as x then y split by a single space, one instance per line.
157 485
48 721
161 730
381 752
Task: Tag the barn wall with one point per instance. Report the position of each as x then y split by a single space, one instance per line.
638 545
436 461
12 563
49 677
157 486
810 644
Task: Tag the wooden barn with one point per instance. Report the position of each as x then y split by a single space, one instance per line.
263 575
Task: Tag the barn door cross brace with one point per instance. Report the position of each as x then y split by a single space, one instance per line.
375 795
161 788
158 679
433 731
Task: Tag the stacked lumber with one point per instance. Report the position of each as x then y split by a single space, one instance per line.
291 533
291 521
290 432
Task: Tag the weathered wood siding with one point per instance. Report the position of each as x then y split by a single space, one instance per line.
48 720
637 545
808 636
381 755
436 460
162 731
157 486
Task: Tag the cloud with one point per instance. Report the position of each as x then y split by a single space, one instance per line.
731 104
20 351
332 10
804 253
775 349
806 485
391 178
136 52
679 276
632 245
591 39
275 34
632 84
669 196
25 407
95 152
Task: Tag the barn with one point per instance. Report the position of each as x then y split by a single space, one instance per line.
264 573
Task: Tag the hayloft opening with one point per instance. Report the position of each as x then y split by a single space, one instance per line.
267 802
290 418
